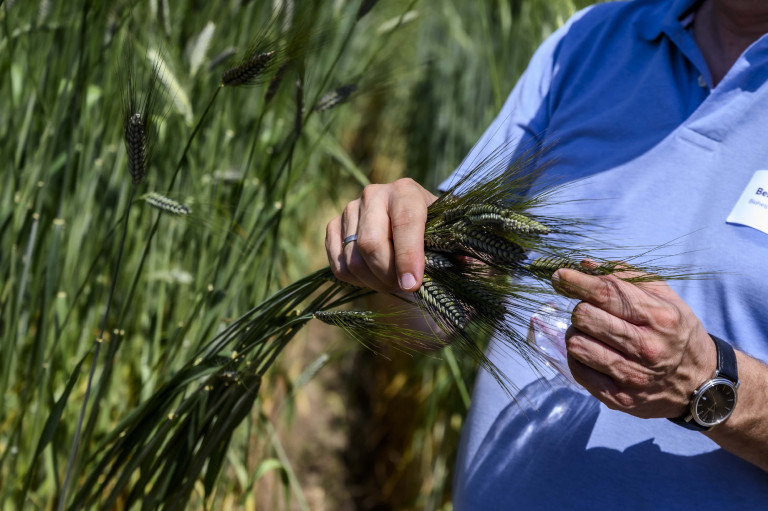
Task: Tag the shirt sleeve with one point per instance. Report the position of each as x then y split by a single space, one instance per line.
523 119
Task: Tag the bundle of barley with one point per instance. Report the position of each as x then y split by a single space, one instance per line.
481 276
478 279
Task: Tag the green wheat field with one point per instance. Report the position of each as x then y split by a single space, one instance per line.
171 164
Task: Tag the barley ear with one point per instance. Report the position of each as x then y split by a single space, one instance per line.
250 70
165 204
336 97
365 7
135 135
274 84
442 303
346 319
139 110
545 267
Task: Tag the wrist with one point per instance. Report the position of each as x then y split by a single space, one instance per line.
705 360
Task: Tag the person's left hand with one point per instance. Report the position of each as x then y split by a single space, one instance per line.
638 348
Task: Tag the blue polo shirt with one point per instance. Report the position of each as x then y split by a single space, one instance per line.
625 99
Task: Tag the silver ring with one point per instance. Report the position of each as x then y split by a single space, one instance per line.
349 239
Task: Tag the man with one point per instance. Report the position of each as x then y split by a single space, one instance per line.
660 109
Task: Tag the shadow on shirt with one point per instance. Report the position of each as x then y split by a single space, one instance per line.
500 475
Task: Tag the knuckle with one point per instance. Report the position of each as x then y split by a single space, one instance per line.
339 272
651 353
621 401
330 230
579 314
350 208
572 343
405 183
403 219
667 318
604 292
622 331
408 220
368 243
632 377
403 251
572 339
370 191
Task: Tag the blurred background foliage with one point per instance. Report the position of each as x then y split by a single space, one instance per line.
335 427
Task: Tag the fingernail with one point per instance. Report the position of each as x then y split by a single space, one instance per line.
407 281
557 284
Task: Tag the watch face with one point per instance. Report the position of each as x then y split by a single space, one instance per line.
714 402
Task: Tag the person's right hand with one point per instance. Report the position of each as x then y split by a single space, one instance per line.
389 252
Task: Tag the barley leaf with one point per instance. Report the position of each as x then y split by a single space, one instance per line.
200 47
172 84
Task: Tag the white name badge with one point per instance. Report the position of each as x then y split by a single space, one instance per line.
752 207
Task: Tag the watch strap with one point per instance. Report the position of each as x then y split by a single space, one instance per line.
688 423
726 360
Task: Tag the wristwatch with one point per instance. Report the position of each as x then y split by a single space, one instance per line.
715 399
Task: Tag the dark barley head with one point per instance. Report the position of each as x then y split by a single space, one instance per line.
250 70
140 109
335 97
365 7
275 82
135 135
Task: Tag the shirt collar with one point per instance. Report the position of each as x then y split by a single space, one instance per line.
664 18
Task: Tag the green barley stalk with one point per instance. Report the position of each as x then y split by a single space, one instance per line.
78 72
182 431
